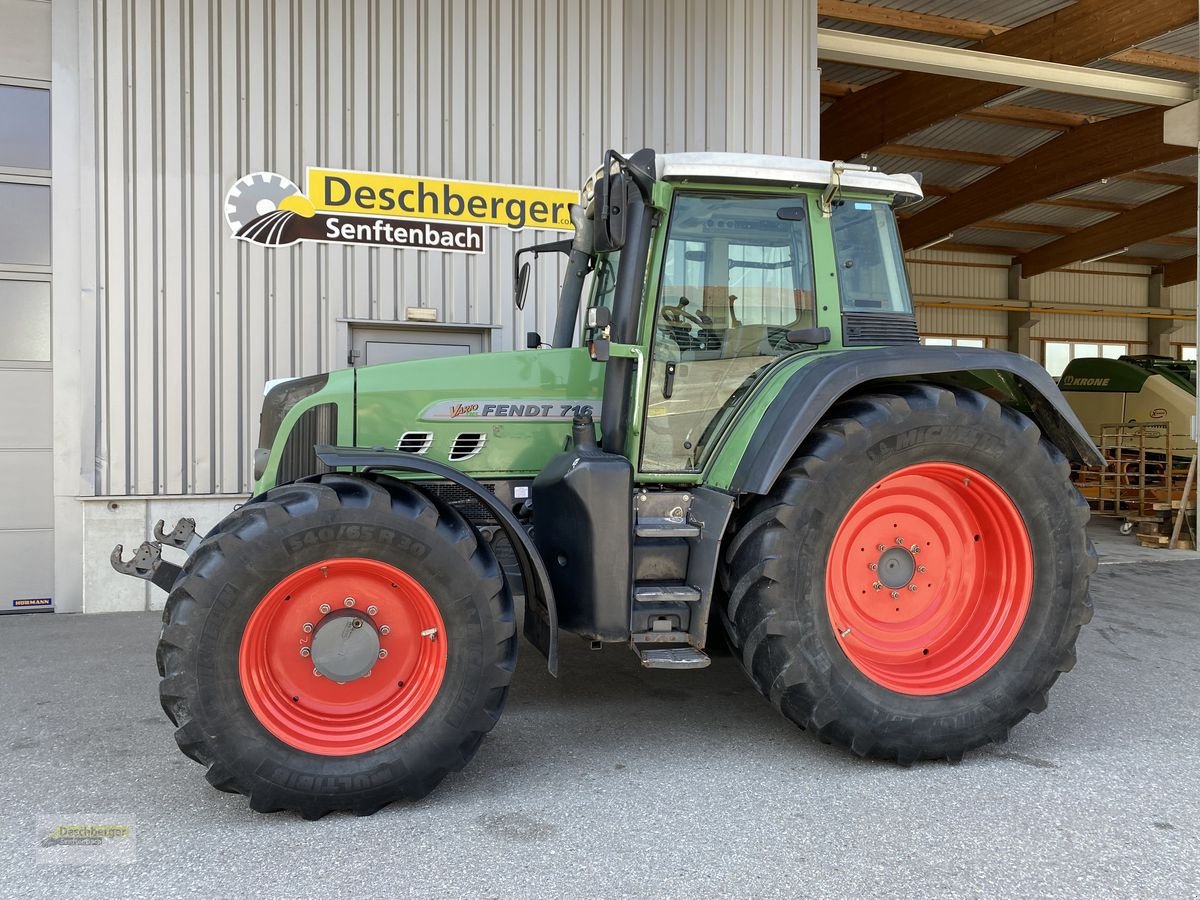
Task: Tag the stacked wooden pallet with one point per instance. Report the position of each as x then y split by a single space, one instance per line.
1154 528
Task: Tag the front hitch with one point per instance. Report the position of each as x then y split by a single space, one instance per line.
147 562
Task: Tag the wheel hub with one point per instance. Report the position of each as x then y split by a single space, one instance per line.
345 646
896 567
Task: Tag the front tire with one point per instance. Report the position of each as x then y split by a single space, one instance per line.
337 644
916 580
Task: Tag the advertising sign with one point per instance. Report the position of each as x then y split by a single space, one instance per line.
378 209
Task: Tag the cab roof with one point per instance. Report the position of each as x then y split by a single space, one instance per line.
765 169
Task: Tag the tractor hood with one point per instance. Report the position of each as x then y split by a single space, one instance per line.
489 414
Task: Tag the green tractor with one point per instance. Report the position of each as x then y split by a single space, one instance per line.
746 436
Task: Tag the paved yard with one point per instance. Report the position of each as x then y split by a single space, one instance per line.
617 781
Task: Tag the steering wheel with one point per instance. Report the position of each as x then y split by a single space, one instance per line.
676 315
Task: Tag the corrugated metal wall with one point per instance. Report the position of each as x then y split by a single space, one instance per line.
189 96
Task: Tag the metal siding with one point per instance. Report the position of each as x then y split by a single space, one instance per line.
188 97
1078 287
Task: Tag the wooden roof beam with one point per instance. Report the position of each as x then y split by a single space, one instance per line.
910 21
1027 227
1168 214
1158 178
1028 117
1084 203
1179 271
1077 158
946 154
1087 31
1156 59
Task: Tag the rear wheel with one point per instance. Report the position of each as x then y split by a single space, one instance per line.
917 578
337 644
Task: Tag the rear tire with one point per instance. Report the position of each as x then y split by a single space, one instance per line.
961 642
247 699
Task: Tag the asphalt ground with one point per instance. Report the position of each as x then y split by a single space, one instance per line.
617 781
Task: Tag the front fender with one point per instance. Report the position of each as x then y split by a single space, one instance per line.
541 611
810 392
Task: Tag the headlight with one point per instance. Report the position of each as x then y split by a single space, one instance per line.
279 400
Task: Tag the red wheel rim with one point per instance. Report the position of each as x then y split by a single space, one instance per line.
970 584
310 712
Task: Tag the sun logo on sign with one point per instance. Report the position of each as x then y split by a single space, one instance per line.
266 208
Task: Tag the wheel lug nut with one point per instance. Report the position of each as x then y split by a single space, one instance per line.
383 653
372 610
349 601
921 569
872 566
304 651
881 548
317 673
324 609
307 626
913 588
895 595
900 541
915 548
384 630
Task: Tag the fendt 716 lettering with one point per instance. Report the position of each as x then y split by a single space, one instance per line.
746 435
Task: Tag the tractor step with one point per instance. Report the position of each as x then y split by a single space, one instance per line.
665 527
659 593
673 658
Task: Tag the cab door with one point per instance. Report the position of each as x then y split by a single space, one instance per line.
737 276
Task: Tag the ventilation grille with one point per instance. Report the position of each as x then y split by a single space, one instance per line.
415 441
315 426
466 445
864 329
466 503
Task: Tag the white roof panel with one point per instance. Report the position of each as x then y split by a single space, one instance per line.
756 167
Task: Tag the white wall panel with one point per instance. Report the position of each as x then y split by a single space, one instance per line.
1088 288
181 99
934 320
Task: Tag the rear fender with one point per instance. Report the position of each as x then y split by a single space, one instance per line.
811 391
541 613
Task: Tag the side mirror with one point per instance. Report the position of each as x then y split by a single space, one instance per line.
521 286
610 204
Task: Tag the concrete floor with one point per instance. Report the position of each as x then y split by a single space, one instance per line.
613 780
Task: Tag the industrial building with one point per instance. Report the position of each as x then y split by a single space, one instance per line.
136 334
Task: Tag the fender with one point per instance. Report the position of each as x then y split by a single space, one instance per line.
541 611
810 392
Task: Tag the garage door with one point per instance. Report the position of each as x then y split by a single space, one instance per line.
26 460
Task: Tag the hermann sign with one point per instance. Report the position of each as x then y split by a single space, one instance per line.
381 210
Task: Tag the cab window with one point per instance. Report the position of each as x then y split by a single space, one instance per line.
870 266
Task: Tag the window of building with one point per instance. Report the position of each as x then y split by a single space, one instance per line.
954 342
24 127
1056 354
1188 352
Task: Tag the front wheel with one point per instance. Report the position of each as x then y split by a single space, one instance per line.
337 644
916 580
